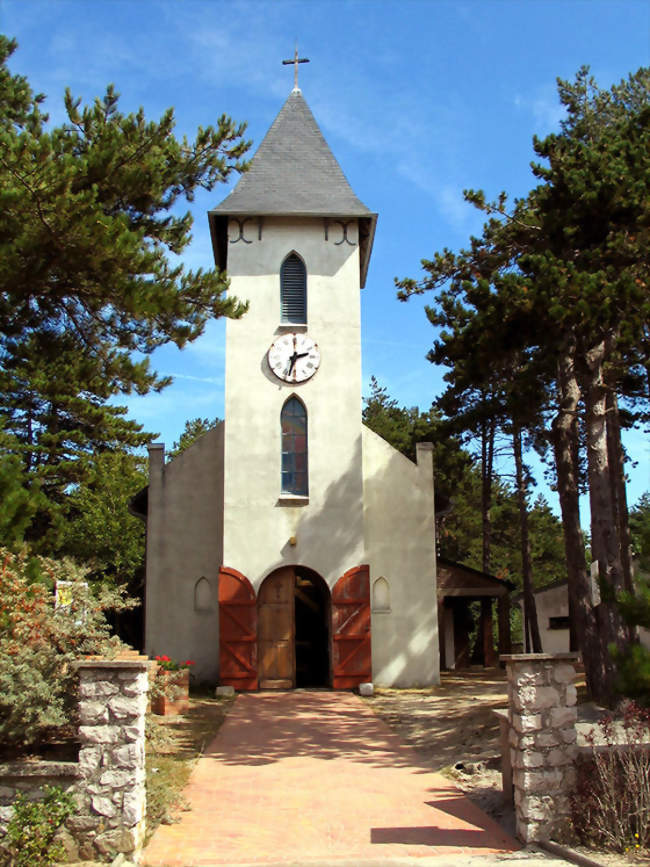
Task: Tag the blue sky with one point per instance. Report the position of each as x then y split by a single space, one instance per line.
418 99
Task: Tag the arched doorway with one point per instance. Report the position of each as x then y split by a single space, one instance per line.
294 616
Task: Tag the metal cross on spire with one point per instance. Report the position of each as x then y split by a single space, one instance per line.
296 60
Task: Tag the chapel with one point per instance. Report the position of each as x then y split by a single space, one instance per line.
291 546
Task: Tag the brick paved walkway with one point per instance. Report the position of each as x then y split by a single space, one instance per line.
308 776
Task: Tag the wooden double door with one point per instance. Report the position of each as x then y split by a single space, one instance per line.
293 630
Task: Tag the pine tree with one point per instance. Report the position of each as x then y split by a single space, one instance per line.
90 228
559 281
89 216
194 428
458 485
54 402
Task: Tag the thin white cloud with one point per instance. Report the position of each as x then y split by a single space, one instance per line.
213 380
544 107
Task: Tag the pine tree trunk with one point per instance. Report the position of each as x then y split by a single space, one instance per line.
605 544
487 464
616 458
565 436
530 609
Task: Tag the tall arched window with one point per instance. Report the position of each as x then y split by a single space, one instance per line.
293 290
294 448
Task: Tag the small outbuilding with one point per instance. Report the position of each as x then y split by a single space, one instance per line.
458 587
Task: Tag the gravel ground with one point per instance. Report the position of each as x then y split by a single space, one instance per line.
453 725
454 730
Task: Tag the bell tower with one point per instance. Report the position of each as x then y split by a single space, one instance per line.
296 243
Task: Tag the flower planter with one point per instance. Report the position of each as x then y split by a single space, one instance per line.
173 697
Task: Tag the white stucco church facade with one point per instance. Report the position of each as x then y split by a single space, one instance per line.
291 545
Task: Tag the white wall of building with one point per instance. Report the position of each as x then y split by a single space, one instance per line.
184 545
220 502
259 523
400 544
554 602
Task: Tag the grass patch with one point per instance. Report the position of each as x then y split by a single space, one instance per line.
173 746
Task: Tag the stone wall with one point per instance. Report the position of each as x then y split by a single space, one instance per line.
109 778
28 779
542 735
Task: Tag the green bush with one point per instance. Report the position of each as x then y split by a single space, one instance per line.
39 643
31 833
633 664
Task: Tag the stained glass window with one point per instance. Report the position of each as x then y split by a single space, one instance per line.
294 448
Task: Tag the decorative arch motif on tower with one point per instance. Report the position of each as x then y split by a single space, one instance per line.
203 595
293 290
295 471
381 595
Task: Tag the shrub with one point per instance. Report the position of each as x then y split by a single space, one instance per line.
611 802
31 833
633 664
39 643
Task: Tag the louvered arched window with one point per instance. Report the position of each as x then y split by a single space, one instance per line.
294 448
293 290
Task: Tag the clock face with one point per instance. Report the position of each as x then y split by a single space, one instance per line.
294 357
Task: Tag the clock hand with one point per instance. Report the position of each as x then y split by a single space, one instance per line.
292 363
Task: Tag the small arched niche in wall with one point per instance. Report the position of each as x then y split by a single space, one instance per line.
381 595
203 595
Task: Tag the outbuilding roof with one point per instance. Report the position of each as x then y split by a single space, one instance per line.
293 173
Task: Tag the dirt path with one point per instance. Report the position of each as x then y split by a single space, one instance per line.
452 725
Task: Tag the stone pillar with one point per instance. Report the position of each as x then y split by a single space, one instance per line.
542 718
112 707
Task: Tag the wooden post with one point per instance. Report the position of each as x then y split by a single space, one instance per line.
505 638
489 656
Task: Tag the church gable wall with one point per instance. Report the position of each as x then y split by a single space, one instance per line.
184 553
400 547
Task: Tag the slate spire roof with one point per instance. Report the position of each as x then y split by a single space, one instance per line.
293 173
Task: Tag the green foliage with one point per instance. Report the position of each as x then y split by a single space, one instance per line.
458 484
90 227
640 530
165 663
18 504
545 315
194 428
99 529
39 643
460 533
633 664
88 216
56 421
565 264
31 833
